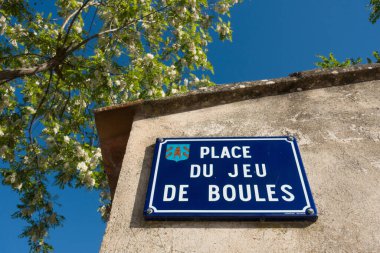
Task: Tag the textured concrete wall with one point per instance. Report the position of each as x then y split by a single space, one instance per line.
338 131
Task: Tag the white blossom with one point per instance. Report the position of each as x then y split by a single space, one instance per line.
145 25
18 28
223 29
3 24
150 56
11 178
66 139
132 48
82 167
1 132
3 150
184 62
78 29
172 73
83 103
2 20
176 46
18 186
30 109
102 210
80 151
88 179
105 195
222 8
50 140
117 52
55 129
14 43
109 83
192 48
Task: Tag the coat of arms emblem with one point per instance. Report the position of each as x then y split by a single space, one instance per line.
177 152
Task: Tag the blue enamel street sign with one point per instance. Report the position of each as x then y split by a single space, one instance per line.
228 178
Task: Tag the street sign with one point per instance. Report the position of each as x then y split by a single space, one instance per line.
259 178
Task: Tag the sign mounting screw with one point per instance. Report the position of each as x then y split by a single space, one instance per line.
290 138
149 211
310 211
160 139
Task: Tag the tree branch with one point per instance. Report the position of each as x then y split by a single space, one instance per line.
21 55
10 74
100 34
62 53
75 16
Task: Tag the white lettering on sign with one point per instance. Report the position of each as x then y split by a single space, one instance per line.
245 193
290 196
263 173
271 192
182 193
230 192
213 193
172 190
207 171
257 196
235 174
248 193
170 193
235 152
247 170
204 151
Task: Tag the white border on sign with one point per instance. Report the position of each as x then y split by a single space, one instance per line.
230 211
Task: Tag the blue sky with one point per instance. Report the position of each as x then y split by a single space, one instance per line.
271 39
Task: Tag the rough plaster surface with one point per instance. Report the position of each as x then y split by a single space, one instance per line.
338 130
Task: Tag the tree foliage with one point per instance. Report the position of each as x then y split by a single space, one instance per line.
56 67
375 11
331 62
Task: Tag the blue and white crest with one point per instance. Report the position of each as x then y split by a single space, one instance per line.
177 152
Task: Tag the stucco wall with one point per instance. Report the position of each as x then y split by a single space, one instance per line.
338 131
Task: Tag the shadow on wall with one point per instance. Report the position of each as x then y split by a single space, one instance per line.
138 221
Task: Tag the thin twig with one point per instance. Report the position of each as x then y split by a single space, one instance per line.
39 106
73 20
100 34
